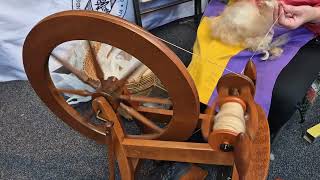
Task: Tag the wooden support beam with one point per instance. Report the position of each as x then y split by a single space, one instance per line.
176 151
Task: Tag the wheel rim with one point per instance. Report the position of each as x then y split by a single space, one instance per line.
84 25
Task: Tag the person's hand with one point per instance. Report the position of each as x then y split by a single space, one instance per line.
294 16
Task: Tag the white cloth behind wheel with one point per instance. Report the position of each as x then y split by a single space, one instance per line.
113 62
17 18
69 81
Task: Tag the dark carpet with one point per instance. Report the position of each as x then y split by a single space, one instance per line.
295 158
35 144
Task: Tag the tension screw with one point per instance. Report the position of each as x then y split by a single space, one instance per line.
226 147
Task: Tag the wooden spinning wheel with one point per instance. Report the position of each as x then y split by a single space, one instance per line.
116 32
110 95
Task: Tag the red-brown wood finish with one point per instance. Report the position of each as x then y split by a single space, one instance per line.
251 150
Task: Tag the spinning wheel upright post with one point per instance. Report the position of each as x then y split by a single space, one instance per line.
247 150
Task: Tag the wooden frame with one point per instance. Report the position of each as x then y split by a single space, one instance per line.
250 150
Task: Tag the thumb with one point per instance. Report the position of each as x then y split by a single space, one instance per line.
289 8
282 18
276 11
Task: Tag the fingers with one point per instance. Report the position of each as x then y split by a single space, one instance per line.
282 17
289 9
276 13
292 16
279 13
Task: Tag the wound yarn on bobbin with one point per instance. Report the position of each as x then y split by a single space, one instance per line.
230 117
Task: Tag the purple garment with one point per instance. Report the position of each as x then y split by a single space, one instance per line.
214 8
267 71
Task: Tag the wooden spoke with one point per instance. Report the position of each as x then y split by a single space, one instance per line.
164 112
96 64
75 91
121 83
109 53
82 76
145 99
144 136
155 111
147 122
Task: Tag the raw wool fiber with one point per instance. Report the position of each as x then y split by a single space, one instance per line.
245 23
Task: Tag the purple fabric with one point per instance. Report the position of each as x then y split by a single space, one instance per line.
214 8
267 71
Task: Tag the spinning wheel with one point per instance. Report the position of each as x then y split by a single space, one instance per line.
78 25
247 150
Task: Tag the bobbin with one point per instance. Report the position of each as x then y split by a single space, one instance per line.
239 89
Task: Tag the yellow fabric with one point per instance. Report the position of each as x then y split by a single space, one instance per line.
314 131
209 60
